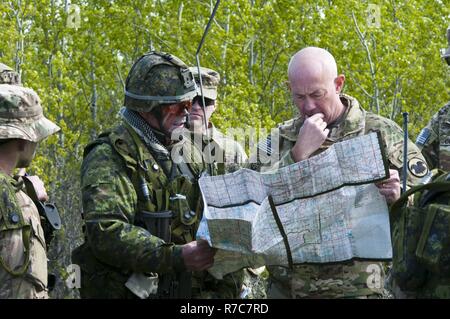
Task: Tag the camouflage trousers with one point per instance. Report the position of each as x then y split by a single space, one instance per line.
243 284
349 279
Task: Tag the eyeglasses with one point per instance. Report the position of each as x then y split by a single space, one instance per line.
179 107
198 99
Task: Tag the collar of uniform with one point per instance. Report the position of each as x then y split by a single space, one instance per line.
16 183
353 121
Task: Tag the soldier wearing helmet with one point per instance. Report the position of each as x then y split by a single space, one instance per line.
23 261
141 201
434 139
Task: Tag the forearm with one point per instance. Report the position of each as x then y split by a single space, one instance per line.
126 246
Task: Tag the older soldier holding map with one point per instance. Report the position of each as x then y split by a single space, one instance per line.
326 117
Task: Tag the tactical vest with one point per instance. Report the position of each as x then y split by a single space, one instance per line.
158 193
168 206
23 254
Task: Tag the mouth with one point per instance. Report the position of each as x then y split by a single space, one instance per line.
179 124
195 115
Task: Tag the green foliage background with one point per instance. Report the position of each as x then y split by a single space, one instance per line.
79 72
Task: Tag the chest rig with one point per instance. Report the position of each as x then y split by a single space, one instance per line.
169 204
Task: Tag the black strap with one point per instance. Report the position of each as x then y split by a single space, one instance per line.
282 232
436 187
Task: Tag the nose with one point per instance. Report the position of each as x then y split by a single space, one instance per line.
308 106
196 104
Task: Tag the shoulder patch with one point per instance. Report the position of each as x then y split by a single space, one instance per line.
417 167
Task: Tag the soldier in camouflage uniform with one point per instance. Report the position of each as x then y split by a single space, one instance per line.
23 260
229 156
216 146
434 139
141 201
327 116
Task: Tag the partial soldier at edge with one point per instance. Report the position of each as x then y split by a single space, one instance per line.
23 259
9 76
434 139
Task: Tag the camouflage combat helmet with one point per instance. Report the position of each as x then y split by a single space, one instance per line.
157 79
21 115
446 54
8 75
210 81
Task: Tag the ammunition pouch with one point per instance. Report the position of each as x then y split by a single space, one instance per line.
158 223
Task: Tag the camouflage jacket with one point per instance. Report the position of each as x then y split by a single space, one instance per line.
23 259
434 140
345 279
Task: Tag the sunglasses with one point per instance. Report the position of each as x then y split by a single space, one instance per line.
198 99
179 107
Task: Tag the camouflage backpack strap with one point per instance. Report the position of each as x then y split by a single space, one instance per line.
11 218
434 188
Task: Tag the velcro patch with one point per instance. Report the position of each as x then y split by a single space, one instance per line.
417 167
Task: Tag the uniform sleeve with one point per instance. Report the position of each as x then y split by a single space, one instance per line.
428 141
392 135
109 205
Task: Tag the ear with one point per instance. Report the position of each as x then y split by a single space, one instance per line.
339 83
288 85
